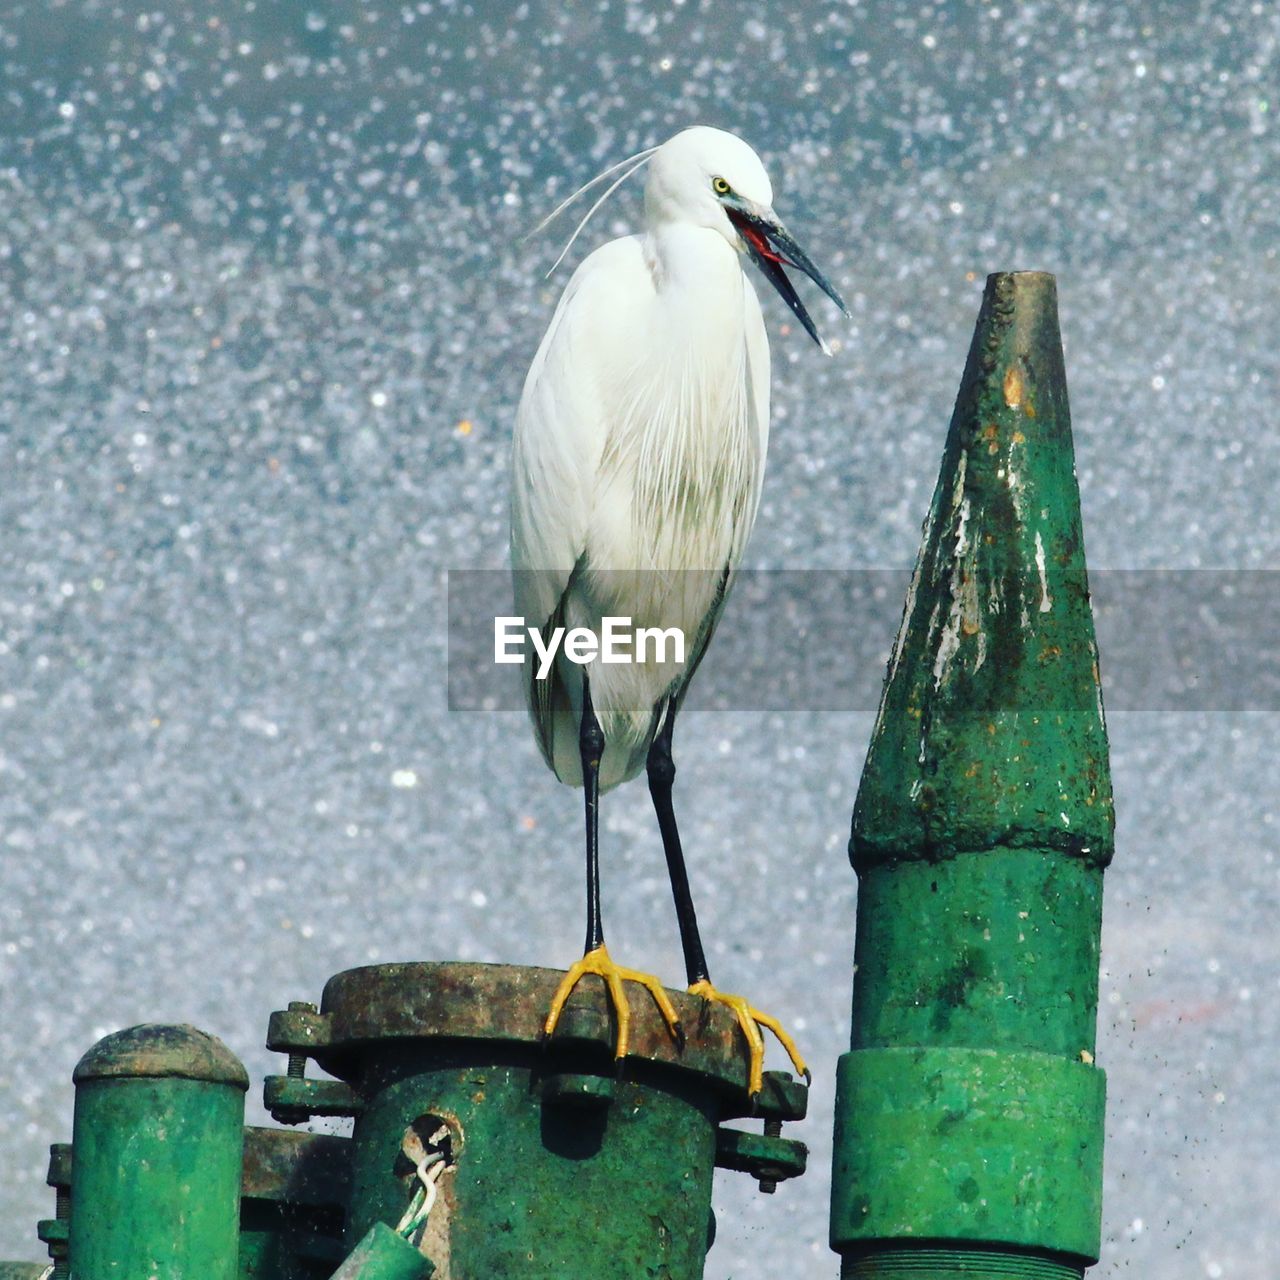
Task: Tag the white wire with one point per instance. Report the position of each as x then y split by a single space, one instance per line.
405 1227
428 1172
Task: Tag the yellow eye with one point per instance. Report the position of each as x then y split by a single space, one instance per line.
720 186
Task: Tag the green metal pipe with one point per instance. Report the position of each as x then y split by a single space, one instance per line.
969 1114
158 1140
293 1195
555 1164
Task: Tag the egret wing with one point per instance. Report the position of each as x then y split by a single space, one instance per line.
757 374
562 425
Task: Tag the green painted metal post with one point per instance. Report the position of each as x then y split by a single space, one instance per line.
158 1141
549 1162
293 1195
969 1114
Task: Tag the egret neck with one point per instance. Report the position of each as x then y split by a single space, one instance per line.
699 460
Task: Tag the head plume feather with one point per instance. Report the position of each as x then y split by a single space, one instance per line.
628 167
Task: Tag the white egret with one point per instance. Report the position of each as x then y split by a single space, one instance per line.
638 458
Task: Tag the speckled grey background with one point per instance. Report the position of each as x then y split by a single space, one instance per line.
265 313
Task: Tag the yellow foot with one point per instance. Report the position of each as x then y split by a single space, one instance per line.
601 964
751 1020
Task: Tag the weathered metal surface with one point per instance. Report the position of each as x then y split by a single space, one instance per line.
291 1099
293 1194
383 1255
537 1189
573 1088
312 1169
56 1231
294 1189
782 1098
59 1175
159 1050
561 1162
494 1003
990 732
298 1029
764 1156
1011 959
960 1262
277 1243
158 1138
508 1004
971 1144
969 1115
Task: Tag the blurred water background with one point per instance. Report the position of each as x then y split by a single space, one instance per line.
265 310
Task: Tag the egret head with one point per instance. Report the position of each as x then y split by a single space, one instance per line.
708 178
690 173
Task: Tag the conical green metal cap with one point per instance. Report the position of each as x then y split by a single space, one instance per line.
991 730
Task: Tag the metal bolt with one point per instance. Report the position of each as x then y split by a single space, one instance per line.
296 1067
772 1129
59 1179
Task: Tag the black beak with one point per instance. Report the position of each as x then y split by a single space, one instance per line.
772 247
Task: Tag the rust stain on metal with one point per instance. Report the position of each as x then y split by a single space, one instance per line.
1013 387
493 1002
301 1168
158 1051
436 1242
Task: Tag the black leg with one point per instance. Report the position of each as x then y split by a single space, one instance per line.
591 747
662 774
595 957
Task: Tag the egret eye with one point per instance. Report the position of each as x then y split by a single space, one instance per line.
720 186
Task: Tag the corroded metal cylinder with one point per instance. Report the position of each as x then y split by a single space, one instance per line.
157 1139
554 1163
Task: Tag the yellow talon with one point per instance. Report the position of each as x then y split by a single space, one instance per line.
600 963
751 1020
